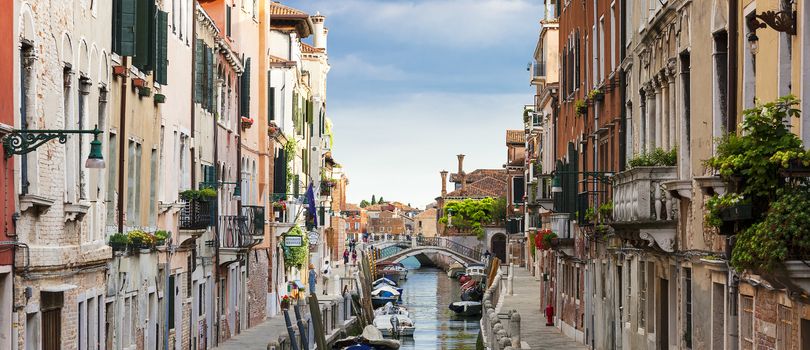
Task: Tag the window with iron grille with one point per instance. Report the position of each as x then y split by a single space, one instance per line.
747 322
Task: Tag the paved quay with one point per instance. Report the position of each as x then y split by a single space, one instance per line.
533 329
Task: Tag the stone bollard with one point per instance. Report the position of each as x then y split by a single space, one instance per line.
335 285
503 340
514 329
273 345
509 285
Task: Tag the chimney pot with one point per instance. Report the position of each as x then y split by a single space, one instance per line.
444 182
460 164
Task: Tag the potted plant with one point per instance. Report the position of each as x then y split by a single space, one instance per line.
580 107
285 302
272 129
596 95
246 122
161 236
606 212
727 208
548 238
118 242
140 239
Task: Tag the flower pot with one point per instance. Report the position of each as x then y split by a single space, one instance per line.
285 304
118 247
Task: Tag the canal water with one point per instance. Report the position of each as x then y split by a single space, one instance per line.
427 293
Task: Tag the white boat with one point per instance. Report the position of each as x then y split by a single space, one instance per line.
476 272
391 309
384 280
386 324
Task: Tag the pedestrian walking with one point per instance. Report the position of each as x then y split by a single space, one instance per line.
345 257
354 257
327 271
352 244
312 278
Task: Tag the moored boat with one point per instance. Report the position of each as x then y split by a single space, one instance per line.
455 270
466 308
394 325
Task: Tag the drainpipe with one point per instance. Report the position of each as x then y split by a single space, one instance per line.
733 280
122 143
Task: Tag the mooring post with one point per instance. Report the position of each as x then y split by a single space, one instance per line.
514 329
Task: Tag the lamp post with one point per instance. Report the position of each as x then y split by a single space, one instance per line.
19 142
780 21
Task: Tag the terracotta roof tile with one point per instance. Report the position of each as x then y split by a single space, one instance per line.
485 187
479 174
277 9
515 136
352 207
427 214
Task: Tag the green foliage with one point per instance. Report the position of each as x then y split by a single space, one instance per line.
717 203
766 144
593 94
296 256
605 211
161 236
547 239
530 242
381 201
499 211
140 238
373 199
291 149
657 157
470 214
364 203
590 215
119 239
782 235
204 194
580 107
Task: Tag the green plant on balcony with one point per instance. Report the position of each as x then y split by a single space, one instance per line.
141 239
605 212
470 215
590 215
548 236
656 157
580 107
205 194
291 149
751 163
596 95
161 236
118 241
530 243
716 204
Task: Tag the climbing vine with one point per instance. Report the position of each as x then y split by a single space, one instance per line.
296 256
470 215
291 149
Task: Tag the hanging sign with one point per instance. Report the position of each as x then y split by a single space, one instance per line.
313 237
293 241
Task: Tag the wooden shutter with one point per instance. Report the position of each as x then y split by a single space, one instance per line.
280 173
244 94
271 99
295 113
162 48
310 121
296 186
124 27
228 20
144 32
198 69
210 75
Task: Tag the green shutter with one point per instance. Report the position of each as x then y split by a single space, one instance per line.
162 48
295 113
144 36
244 94
198 69
210 83
124 27
296 186
310 108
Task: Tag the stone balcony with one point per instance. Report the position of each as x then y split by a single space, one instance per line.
642 208
238 233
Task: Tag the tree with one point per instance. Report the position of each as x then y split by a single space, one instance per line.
381 201
373 199
364 203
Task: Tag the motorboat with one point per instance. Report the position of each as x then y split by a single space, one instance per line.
385 281
394 325
464 279
370 339
391 309
466 308
476 272
393 271
385 294
455 270
472 291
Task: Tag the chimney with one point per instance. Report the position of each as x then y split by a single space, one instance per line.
319 39
462 176
444 182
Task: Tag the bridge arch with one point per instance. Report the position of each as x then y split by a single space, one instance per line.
432 245
404 254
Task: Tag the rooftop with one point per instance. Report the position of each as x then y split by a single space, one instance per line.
515 137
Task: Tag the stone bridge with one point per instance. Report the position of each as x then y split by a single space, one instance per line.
399 251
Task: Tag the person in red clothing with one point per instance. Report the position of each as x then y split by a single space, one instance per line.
345 257
354 257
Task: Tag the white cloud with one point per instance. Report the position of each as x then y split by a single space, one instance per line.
395 146
455 23
357 67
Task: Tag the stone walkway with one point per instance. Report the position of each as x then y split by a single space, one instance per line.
533 329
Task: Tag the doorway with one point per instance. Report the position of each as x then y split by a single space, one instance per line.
663 319
51 320
498 245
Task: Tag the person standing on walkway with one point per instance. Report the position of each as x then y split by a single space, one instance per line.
327 271
312 278
354 258
351 244
345 257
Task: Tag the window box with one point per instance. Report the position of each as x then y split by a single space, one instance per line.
160 98
138 82
740 212
119 71
144 91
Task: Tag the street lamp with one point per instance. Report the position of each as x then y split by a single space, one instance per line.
21 142
555 185
780 21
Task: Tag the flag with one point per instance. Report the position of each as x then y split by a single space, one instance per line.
311 209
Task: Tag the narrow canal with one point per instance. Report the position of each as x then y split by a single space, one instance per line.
427 293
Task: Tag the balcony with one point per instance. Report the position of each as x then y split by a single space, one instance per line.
642 208
540 193
538 72
237 233
195 218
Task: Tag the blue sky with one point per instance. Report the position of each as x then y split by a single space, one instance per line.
413 83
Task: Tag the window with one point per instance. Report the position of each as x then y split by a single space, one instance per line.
137 32
746 322
642 294
228 20
171 293
27 93
82 326
112 178
687 308
784 328
718 319
244 92
613 43
518 190
721 124
201 299
82 141
602 56
271 102
255 10
153 186
133 183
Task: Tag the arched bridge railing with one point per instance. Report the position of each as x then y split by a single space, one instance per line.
434 242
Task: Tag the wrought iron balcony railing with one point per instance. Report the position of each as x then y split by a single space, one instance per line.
196 215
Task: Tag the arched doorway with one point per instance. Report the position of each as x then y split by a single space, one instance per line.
498 246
